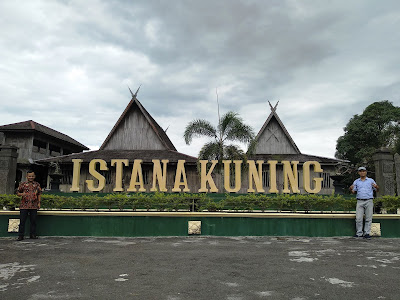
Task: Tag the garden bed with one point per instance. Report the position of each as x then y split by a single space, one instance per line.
305 203
158 214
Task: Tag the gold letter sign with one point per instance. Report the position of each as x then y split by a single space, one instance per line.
256 183
306 177
97 175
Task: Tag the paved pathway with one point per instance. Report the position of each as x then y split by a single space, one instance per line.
200 268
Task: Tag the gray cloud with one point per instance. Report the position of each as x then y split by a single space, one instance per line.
68 63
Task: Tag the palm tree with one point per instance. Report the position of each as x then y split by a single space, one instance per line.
230 128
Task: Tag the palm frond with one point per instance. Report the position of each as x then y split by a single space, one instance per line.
211 151
251 147
233 152
198 128
232 128
227 121
238 131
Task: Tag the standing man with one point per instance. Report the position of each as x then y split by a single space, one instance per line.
30 192
364 187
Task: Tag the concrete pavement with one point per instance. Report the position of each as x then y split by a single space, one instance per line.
200 267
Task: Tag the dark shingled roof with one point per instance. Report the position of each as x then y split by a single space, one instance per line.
157 129
131 155
30 125
174 156
296 157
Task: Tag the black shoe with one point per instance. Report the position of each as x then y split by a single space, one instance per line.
367 236
35 237
20 238
357 236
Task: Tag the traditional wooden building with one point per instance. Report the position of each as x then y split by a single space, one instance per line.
137 136
33 141
273 142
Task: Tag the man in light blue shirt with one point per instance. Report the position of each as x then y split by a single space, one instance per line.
364 187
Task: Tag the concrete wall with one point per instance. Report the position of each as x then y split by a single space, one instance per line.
8 168
23 141
64 223
384 172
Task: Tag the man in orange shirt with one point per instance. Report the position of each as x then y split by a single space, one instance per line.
30 192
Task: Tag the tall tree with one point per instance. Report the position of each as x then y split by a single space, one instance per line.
378 126
230 128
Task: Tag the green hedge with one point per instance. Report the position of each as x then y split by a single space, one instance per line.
292 202
201 202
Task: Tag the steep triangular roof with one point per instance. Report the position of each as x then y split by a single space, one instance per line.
126 135
273 138
29 126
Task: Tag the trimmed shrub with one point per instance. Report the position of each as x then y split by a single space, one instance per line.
390 203
9 201
202 202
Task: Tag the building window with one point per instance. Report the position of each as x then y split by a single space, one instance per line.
298 179
326 182
39 146
107 176
54 150
265 178
146 175
67 177
67 151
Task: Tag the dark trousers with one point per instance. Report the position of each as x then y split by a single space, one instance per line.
23 215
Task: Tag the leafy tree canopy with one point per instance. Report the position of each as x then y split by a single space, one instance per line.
378 126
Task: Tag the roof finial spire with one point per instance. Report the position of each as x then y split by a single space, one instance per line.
131 91
134 94
137 91
273 109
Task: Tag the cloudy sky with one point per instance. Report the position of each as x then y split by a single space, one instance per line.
68 64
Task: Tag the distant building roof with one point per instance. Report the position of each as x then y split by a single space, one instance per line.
301 158
275 143
28 126
129 137
131 155
174 156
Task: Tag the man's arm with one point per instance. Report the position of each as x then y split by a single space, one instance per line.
353 188
39 198
375 186
20 191
39 195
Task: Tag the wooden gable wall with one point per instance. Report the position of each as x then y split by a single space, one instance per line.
134 133
273 140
